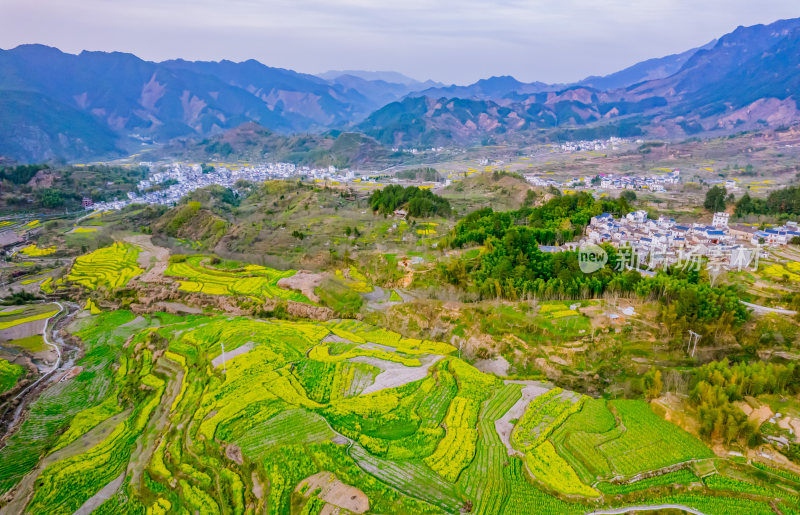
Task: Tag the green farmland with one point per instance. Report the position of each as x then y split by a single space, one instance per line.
191 435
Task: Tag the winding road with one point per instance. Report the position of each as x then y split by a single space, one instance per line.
60 363
55 347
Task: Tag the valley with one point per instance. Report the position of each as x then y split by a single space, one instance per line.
224 354
229 287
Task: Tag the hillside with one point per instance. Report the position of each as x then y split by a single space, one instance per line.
501 191
425 121
252 142
383 378
745 80
492 88
100 103
651 69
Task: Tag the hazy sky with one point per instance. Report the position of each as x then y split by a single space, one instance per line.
453 41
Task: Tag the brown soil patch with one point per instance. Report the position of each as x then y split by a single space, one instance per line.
674 411
23 330
498 366
234 453
72 373
792 424
258 490
549 370
744 407
302 310
303 281
761 415
335 492
177 307
152 258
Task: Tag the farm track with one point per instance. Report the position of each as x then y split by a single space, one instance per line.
504 426
105 493
152 258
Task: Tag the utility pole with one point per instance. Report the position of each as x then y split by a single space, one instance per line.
693 339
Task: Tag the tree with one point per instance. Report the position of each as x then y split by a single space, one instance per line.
418 202
652 383
50 198
629 195
530 198
715 199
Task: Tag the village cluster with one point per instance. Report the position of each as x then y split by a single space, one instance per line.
648 244
175 180
612 143
610 181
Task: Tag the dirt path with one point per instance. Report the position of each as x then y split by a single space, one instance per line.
504 426
229 355
152 258
335 492
395 374
105 493
146 443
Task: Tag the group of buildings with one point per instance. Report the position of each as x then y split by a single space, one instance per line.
656 183
664 242
173 181
595 145
610 181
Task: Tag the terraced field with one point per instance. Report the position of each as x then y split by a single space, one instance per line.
109 267
13 320
34 251
159 422
199 274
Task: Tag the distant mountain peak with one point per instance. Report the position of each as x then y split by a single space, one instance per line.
385 76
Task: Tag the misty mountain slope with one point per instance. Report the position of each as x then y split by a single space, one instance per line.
493 88
132 99
708 67
36 127
425 121
384 76
746 79
651 69
306 100
100 103
132 96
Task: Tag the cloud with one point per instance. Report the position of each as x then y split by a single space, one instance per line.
448 40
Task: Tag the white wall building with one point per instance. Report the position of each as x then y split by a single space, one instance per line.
720 220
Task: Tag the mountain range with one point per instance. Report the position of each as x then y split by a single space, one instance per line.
58 105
